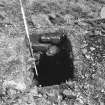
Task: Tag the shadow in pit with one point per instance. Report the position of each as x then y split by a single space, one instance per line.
54 70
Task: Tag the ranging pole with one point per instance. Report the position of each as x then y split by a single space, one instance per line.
27 33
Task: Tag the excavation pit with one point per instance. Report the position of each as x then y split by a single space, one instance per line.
54 70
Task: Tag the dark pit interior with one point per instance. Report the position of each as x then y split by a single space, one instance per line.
54 70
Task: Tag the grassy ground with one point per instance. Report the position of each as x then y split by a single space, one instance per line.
85 29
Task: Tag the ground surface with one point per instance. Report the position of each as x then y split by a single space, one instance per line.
85 27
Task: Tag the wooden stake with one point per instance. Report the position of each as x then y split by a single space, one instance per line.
27 34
